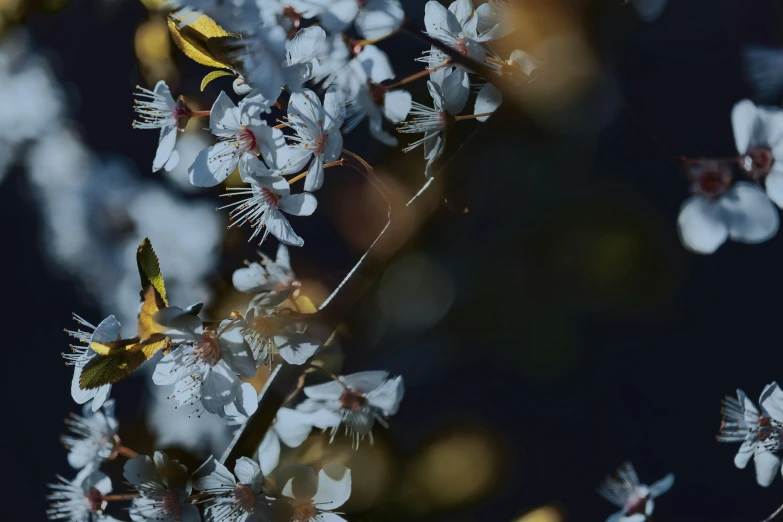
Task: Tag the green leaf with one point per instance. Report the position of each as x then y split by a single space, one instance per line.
213 75
108 369
149 269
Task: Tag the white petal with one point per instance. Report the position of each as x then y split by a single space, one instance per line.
170 369
328 391
745 122
771 402
379 18
279 227
701 225
375 64
315 175
101 394
173 161
456 90
333 147
213 165
304 46
166 142
189 513
246 402
251 279
388 396
339 14
488 100
241 87
292 427
212 474
224 116
292 159
767 466
376 129
662 486
319 416
250 167
234 350
440 21
78 394
298 204
306 107
217 387
463 10
296 348
774 184
334 487
249 473
269 452
334 110
397 105
366 381
750 215
139 470
161 89
330 517
744 454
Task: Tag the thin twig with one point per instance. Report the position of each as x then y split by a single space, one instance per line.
773 515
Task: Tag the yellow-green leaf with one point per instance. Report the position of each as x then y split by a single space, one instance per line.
305 305
108 369
213 75
114 347
149 270
194 40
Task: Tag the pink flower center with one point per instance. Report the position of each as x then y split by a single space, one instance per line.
171 505
636 507
246 141
245 498
461 47
304 510
352 400
758 162
270 198
94 500
182 113
207 348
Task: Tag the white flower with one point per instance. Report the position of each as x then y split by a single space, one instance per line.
455 27
367 97
634 498
267 198
268 276
332 491
357 401
92 436
164 486
719 211
494 19
207 364
759 432
268 327
270 61
235 500
488 100
317 134
373 19
81 499
433 122
107 331
158 110
758 133
290 427
239 135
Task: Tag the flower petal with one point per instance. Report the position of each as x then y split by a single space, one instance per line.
292 427
278 226
744 454
379 18
767 466
375 64
439 21
217 388
214 164
662 486
296 348
269 452
771 402
298 204
234 350
334 487
211 475
166 143
488 99
139 470
315 174
397 105
749 214
701 225
388 396
334 110
224 116
249 473
745 122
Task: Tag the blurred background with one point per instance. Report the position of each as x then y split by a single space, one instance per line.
547 321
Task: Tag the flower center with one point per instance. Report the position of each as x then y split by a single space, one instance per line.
352 400
94 500
377 92
757 162
246 141
207 348
171 505
636 507
461 47
304 510
182 113
270 198
264 326
245 498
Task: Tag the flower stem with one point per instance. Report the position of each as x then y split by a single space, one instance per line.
199 114
304 174
773 515
472 116
125 451
121 496
416 76
358 44
196 497
327 372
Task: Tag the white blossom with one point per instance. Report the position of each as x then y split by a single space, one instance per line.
106 331
239 135
207 364
239 499
268 196
758 133
759 431
332 491
81 499
92 436
357 402
374 19
291 428
269 275
157 109
634 499
719 210
164 486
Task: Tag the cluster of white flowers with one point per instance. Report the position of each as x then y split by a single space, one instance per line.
724 207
